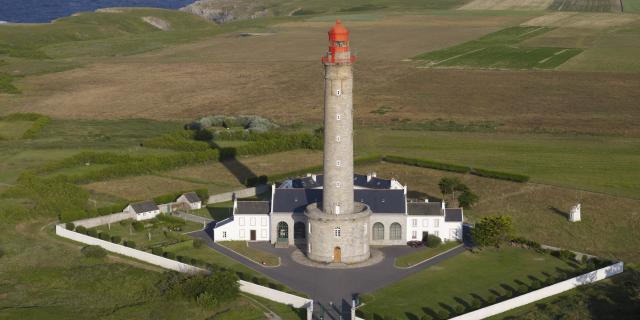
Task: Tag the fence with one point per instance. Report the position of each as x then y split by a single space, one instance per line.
536 295
102 220
244 193
275 295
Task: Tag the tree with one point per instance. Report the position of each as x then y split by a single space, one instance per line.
468 199
447 185
492 231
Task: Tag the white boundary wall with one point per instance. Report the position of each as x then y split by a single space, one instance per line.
129 252
545 292
275 295
248 287
97 221
249 192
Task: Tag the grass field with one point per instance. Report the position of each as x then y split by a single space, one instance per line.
603 164
43 276
158 234
609 227
500 50
424 253
256 255
11 130
466 276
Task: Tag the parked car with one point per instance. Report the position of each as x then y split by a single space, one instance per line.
414 243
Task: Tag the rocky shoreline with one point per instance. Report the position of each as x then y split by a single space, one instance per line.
222 11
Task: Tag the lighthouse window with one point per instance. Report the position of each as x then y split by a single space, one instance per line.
338 116
338 138
338 163
336 231
338 92
341 44
338 184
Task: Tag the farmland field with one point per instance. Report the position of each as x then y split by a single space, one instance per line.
500 50
11 130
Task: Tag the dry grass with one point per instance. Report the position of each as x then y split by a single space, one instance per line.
507 5
582 20
141 187
610 225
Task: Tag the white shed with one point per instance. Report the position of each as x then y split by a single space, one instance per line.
191 199
143 210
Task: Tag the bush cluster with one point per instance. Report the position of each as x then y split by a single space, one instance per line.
93 252
81 229
526 243
116 239
70 226
137 226
92 233
183 140
564 255
157 251
104 236
500 175
250 123
130 244
427 164
433 241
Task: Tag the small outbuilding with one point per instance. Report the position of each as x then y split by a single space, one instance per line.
143 210
191 199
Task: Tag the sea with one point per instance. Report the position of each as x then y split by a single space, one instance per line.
40 11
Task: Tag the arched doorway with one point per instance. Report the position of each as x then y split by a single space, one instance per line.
283 232
337 255
299 232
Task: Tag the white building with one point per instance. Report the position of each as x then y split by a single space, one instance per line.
394 221
191 199
249 222
143 210
574 213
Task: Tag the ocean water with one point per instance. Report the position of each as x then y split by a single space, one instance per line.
32 11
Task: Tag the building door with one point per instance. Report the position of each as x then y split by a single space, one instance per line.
337 255
425 236
253 235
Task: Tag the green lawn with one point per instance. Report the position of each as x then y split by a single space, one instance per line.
423 253
210 256
500 50
159 234
458 280
256 255
595 163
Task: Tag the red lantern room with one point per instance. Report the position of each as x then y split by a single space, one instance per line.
338 45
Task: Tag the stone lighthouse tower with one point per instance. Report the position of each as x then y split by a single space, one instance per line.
338 230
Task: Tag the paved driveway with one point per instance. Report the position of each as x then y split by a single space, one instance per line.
329 287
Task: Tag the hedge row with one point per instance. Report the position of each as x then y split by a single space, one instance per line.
39 121
427 164
500 175
457 168
182 140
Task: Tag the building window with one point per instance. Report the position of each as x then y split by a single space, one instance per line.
338 138
378 231
263 221
436 233
425 222
224 234
395 231
241 221
436 223
283 231
338 116
336 232
252 221
241 234
338 163
263 233
414 222
414 234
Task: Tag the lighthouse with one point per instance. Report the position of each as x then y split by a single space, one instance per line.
338 231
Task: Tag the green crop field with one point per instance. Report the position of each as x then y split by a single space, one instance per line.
584 5
500 50
466 276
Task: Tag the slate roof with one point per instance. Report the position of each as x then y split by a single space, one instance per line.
192 197
144 206
359 180
223 222
453 214
253 207
424 208
380 201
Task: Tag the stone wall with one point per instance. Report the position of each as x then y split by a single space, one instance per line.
536 295
244 193
102 220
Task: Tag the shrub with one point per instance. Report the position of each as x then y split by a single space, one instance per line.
500 175
433 241
36 127
137 225
92 233
443 314
459 309
157 251
522 289
1 253
193 261
70 226
104 236
170 255
93 252
525 242
116 239
536 284
81 229
468 199
564 255
492 231
475 303
130 244
491 299
198 243
427 164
